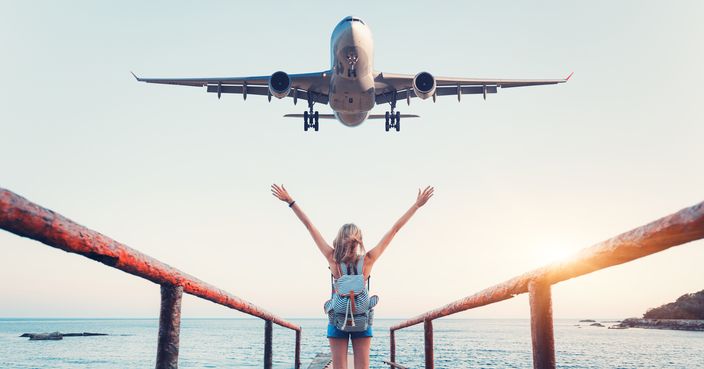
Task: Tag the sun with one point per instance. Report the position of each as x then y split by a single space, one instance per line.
553 253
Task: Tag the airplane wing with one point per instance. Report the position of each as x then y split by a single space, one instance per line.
400 86
304 86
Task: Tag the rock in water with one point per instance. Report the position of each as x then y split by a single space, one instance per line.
53 336
84 334
58 335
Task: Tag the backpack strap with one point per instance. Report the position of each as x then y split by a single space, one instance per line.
342 267
360 264
360 270
352 269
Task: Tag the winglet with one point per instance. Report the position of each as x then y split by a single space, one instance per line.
568 77
135 76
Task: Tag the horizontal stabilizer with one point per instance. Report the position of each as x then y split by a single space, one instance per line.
383 116
320 116
332 116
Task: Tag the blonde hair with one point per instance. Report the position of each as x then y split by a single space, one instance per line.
348 244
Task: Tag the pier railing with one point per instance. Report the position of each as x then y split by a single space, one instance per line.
681 227
26 219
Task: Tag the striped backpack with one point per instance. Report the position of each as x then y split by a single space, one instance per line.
351 308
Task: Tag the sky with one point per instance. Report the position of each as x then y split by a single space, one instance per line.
525 176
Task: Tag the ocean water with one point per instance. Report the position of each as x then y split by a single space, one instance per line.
239 343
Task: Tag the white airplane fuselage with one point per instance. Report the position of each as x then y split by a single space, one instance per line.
351 90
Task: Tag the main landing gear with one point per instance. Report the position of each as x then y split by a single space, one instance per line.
310 120
310 117
393 119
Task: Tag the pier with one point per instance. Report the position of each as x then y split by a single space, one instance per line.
26 219
684 226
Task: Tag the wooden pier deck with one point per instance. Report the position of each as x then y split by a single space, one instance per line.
324 361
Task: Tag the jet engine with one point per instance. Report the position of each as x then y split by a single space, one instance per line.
424 85
279 84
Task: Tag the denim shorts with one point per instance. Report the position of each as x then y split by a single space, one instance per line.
333 332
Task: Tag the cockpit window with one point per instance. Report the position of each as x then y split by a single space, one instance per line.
355 20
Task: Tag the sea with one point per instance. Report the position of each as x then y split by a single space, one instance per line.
239 343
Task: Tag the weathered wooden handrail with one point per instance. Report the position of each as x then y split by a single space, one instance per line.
24 218
681 227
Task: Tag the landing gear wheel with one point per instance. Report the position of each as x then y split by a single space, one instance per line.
387 125
398 121
305 121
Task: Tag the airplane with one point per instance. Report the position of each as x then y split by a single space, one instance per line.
351 86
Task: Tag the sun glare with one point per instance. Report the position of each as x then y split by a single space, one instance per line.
553 253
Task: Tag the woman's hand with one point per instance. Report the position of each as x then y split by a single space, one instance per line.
281 193
424 196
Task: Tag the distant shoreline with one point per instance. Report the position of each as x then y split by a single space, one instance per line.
669 324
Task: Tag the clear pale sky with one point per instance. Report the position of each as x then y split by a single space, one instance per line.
181 176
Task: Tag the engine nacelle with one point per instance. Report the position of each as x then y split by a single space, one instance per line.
279 84
424 85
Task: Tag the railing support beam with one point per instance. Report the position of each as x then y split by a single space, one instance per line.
268 327
297 364
392 346
169 327
428 338
541 329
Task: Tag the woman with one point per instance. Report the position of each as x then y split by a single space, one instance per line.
347 248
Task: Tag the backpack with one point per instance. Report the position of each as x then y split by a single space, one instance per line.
351 308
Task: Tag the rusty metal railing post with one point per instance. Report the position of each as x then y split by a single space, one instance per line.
268 327
392 346
169 327
541 329
297 364
428 339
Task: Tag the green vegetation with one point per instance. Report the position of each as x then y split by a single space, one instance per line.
689 306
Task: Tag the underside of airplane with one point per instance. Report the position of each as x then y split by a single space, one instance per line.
351 87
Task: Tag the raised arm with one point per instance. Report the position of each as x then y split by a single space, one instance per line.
280 193
423 197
